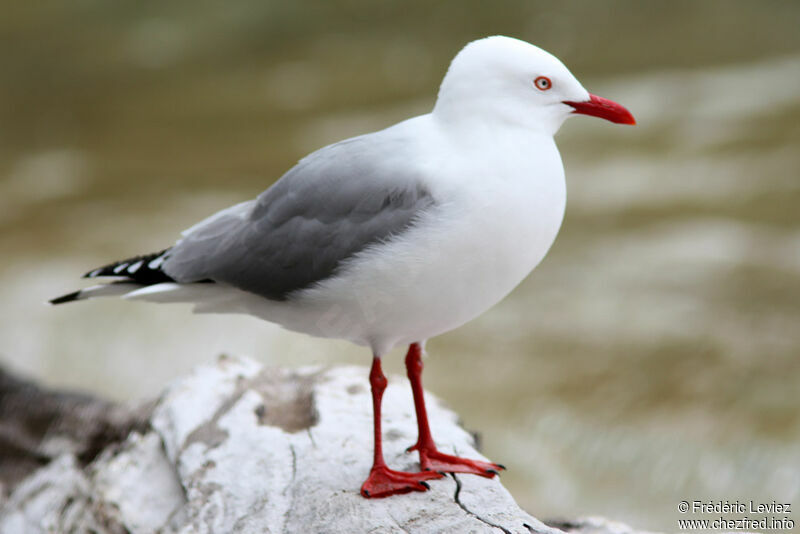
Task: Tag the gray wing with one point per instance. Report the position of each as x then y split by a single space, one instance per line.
333 204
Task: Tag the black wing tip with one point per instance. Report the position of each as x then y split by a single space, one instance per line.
137 269
105 271
91 274
65 298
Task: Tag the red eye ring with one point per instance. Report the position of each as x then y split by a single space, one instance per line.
543 83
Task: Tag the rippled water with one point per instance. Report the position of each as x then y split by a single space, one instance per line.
653 357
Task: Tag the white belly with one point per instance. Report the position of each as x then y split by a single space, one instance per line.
456 263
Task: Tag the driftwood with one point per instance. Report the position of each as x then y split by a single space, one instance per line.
236 447
36 426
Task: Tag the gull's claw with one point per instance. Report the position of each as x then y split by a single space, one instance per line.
383 482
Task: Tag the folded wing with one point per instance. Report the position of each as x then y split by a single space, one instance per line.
333 204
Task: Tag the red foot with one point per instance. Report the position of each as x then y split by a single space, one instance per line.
433 460
383 482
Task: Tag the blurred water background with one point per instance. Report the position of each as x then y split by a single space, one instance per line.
653 357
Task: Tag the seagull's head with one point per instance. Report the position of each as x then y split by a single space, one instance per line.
505 80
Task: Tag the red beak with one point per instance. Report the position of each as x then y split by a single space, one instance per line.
609 110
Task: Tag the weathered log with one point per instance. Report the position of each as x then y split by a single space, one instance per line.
37 425
236 447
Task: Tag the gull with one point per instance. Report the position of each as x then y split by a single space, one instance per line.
391 238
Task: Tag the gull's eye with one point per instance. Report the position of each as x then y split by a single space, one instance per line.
543 83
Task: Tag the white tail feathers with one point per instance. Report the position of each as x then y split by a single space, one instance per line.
102 290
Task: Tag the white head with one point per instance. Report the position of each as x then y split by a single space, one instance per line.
503 80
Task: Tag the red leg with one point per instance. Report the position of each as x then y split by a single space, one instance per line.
429 457
383 481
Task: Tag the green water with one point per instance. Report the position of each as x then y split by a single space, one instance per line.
653 357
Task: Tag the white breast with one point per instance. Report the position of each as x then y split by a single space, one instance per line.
492 226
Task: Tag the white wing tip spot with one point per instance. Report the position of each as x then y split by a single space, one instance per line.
119 268
136 266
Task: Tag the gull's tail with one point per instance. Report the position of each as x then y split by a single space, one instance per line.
132 274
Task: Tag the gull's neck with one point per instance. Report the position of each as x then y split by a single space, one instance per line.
485 132
480 114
